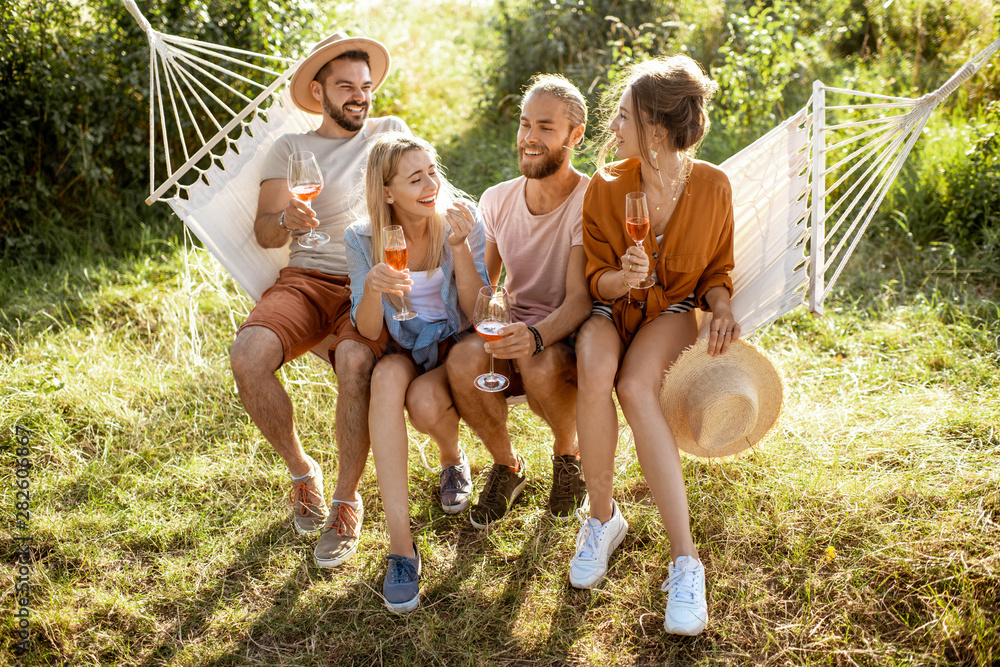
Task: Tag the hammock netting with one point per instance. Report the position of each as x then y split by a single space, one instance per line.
803 194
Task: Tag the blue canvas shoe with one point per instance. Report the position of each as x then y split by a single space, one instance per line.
401 589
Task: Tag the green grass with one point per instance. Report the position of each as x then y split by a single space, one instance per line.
161 536
863 532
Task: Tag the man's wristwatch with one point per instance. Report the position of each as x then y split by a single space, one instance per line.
538 340
281 221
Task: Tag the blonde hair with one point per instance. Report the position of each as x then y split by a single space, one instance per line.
383 164
672 92
560 88
384 156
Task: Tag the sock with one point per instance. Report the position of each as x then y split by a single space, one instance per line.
354 505
516 469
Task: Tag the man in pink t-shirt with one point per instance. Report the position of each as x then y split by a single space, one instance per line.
534 230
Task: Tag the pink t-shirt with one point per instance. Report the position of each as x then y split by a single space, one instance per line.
534 248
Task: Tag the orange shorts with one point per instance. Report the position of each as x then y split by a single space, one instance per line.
303 307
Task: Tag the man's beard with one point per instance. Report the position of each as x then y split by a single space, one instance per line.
550 164
341 118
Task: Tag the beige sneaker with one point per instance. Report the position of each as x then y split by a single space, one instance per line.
308 504
339 540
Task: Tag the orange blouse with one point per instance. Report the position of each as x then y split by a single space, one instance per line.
695 255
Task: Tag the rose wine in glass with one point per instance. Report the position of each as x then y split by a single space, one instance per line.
492 314
396 257
637 227
305 181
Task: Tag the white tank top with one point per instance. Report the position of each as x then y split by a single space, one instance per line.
425 295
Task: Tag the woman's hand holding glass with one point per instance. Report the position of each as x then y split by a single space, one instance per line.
637 227
392 275
386 280
635 265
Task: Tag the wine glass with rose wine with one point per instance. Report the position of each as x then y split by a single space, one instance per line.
637 226
305 181
492 314
397 257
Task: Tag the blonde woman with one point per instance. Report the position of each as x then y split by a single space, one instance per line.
657 119
444 272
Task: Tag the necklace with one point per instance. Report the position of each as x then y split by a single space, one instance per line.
674 192
676 185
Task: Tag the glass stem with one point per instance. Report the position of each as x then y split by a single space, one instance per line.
491 366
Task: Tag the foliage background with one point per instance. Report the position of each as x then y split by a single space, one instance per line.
74 128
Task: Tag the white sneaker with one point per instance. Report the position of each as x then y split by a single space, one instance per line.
687 610
595 543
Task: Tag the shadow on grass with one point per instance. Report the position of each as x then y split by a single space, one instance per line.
250 565
479 594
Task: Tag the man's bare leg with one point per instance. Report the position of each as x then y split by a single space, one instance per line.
255 357
485 412
353 363
550 385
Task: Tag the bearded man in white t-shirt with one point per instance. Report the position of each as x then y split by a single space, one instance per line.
534 230
308 308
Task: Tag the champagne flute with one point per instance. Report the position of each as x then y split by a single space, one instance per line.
305 181
491 315
396 257
637 226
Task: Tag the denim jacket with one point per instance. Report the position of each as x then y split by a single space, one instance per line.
417 335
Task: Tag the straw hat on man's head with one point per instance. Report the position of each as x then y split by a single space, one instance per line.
720 406
333 46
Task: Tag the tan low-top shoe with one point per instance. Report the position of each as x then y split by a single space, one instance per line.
308 504
339 540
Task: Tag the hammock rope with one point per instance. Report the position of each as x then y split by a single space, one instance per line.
843 148
881 151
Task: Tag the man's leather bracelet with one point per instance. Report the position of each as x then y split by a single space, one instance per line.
281 221
538 340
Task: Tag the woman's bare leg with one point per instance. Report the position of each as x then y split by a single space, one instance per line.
387 423
432 411
598 350
653 350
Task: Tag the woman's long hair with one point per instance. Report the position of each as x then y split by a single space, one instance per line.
672 92
383 164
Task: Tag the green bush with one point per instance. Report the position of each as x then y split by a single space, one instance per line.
75 132
966 208
568 37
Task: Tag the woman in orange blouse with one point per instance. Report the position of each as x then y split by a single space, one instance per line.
633 336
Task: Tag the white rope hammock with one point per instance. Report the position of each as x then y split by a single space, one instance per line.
816 180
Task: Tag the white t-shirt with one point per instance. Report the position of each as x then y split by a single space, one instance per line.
534 248
342 162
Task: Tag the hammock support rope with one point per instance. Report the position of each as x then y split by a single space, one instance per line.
894 138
